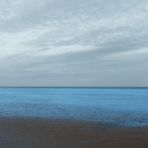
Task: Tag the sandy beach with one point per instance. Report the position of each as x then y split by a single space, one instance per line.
42 133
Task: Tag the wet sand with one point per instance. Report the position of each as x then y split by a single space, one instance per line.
41 133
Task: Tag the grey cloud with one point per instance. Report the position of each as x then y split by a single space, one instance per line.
75 43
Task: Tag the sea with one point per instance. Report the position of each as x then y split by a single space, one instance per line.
116 106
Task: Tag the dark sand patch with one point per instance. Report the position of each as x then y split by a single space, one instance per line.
40 133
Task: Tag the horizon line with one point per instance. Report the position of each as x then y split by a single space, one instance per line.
73 86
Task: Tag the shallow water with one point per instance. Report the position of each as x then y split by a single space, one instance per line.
121 106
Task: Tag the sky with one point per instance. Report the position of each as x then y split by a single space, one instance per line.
74 43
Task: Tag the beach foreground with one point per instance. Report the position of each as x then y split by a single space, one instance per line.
41 133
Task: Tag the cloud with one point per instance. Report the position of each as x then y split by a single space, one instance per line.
76 43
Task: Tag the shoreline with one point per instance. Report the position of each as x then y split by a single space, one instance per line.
55 133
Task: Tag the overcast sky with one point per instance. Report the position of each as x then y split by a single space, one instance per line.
74 42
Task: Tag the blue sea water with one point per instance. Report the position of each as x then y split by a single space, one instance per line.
122 106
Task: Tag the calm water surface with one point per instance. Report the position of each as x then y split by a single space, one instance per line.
127 107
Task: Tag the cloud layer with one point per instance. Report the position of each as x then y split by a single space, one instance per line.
73 43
